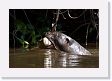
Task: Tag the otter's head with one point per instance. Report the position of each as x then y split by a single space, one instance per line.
59 40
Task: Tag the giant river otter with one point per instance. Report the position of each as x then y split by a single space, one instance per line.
65 43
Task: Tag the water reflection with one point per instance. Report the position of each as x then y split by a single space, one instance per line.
73 60
52 59
68 60
48 59
61 60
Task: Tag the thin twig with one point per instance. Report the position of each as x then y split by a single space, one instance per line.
27 18
86 31
11 15
55 24
61 12
79 27
14 30
46 13
94 24
77 16
57 17
63 16
87 34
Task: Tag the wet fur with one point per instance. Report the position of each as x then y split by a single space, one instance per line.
65 43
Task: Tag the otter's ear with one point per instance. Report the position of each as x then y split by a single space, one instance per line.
70 42
67 40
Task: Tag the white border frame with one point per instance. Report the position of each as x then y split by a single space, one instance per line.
102 71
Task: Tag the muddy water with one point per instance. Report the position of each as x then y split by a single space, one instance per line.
50 58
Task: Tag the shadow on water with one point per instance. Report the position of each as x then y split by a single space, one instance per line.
50 58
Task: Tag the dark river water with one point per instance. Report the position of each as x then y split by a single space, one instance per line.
50 58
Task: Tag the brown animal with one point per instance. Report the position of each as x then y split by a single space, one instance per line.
65 43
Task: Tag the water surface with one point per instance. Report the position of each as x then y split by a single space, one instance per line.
50 58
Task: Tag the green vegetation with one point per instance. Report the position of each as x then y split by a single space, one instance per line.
28 26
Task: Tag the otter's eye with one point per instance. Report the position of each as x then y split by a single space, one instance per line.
52 37
47 33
